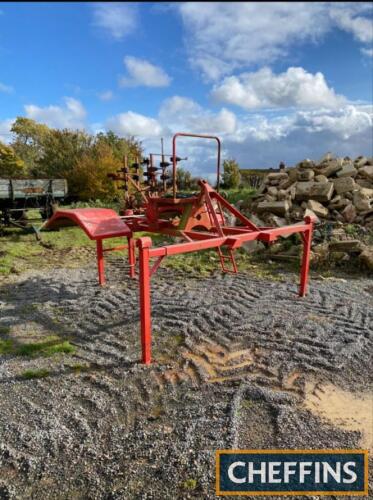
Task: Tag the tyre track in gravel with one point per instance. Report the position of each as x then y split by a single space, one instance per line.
211 336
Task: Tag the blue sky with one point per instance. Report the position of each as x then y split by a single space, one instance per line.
279 81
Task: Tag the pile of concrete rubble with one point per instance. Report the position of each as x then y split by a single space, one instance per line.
334 189
338 191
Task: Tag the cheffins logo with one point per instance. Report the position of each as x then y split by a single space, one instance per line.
291 472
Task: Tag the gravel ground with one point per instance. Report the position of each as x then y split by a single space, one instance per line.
236 358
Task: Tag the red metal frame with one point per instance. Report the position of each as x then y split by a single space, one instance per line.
197 136
200 222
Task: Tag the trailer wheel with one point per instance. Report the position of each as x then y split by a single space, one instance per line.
18 215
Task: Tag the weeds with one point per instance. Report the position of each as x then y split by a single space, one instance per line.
38 373
190 484
50 346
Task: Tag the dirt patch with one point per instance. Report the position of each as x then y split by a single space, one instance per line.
353 412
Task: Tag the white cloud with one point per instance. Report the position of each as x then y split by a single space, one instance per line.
6 88
223 37
263 141
107 95
5 126
347 18
263 89
131 123
181 113
255 140
345 123
142 72
367 52
72 115
116 19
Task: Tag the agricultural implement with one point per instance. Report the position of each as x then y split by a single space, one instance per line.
198 220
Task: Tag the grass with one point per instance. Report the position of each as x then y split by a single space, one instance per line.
79 367
49 347
22 251
38 373
235 195
190 484
6 346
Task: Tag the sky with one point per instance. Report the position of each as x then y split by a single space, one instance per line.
275 81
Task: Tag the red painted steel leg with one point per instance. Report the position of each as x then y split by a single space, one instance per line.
100 263
307 239
131 256
145 307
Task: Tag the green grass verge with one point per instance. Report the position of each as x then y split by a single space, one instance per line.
39 373
50 346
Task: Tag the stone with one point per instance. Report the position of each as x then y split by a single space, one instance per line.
331 167
278 221
253 246
272 191
296 213
326 158
344 184
348 246
361 161
349 213
269 197
293 174
310 213
282 195
292 190
277 176
321 178
341 203
306 164
366 172
317 208
364 183
361 201
367 192
347 171
314 190
305 175
366 258
284 184
255 220
276 207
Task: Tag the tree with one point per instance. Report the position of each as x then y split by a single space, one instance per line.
28 143
231 175
89 180
10 164
121 146
184 179
62 150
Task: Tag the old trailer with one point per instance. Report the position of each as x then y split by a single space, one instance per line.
19 195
